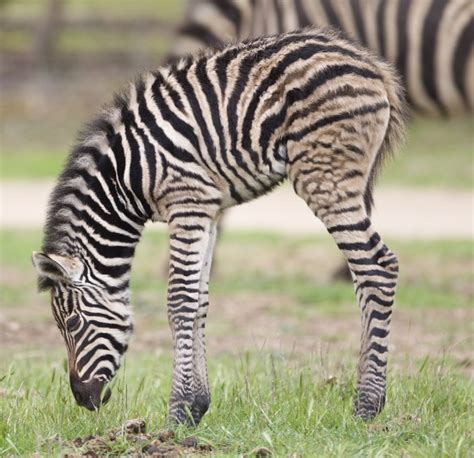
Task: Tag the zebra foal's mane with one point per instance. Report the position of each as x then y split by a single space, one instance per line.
83 156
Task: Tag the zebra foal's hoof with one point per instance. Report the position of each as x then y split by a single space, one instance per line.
367 407
180 416
199 407
188 412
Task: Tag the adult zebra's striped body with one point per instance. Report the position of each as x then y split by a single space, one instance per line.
429 41
199 136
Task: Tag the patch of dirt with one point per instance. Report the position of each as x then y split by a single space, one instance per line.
274 323
160 444
19 333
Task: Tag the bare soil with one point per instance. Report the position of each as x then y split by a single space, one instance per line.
160 444
268 323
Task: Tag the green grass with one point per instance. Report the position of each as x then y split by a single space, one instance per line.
258 401
23 164
438 153
290 403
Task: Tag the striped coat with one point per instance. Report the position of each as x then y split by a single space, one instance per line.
191 139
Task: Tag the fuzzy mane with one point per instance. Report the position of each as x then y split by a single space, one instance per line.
85 155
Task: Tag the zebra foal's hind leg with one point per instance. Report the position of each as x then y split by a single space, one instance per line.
375 270
333 189
191 242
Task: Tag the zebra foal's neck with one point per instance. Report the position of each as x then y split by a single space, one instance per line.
97 210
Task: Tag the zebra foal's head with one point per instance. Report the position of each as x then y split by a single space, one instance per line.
95 323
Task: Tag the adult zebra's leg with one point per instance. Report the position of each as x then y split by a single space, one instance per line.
189 243
335 195
202 396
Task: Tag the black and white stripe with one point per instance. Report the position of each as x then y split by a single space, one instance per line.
429 41
196 137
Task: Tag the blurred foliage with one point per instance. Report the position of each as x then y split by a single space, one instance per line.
21 19
112 9
438 153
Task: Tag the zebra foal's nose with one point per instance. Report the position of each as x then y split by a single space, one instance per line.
88 394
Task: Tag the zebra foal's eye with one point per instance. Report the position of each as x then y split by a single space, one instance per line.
72 323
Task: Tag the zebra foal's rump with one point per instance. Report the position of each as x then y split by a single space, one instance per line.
429 41
196 137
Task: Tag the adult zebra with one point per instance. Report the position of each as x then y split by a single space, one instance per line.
192 139
429 41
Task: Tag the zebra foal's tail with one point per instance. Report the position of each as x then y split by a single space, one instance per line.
395 133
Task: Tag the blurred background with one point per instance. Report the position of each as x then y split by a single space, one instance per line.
61 60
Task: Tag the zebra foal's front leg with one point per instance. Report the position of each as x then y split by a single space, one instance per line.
202 397
190 243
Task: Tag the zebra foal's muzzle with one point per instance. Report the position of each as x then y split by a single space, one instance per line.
89 394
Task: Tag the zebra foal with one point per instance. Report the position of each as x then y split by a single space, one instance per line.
194 138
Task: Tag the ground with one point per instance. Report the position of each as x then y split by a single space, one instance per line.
282 346
282 335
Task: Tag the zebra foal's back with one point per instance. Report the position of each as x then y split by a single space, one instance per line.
230 115
186 142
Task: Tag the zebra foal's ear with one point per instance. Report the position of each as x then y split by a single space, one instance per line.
56 267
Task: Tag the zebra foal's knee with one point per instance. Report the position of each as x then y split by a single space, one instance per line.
376 278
